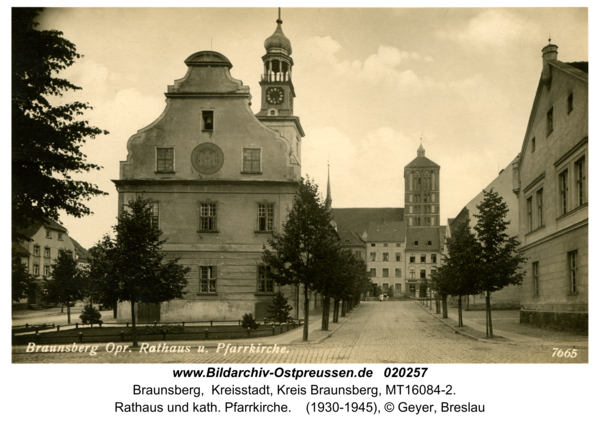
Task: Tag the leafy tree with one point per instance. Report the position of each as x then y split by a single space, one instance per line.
500 260
66 284
459 273
101 283
295 256
132 267
46 138
279 310
23 283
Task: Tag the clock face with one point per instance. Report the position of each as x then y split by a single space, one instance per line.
274 95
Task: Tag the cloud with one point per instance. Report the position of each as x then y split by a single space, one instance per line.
491 28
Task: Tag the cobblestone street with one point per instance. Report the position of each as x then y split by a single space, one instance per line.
375 332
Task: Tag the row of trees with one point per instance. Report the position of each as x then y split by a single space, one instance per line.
129 267
308 253
483 261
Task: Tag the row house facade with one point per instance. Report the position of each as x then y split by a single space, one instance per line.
551 183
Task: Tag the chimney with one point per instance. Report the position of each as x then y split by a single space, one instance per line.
550 52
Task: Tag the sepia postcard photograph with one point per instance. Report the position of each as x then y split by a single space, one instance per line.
237 188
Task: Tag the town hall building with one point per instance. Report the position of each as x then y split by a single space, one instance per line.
221 180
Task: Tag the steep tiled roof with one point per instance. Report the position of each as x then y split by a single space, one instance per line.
357 219
423 235
350 239
47 223
386 231
80 251
422 162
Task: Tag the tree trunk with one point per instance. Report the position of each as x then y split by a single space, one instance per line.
444 306
336 309
488 309
115 310
325 314
460 322
306 311
68 313
135 344
343 308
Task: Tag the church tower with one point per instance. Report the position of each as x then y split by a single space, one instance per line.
422 191
277 91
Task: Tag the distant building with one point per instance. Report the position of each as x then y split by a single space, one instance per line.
551 182
38 255
221 180
395 236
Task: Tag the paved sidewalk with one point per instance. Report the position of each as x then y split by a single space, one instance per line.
478 331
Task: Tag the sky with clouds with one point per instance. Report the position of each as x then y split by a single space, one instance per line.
370 83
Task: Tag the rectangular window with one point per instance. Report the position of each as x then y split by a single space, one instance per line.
372 245
385 273
386 256
398 273
46 270
398 288
398 244
416 242
535 275
251 160
154 217
264 283
373 273
59 236
570 103
539 195
46 252
423 275
207 120
36 250
384 288
164 159
398 256
385 244
423 258
550 121
429 243
533 144
580 175
412 259
48 234
563 183
266 217
434 258
208 217
36 269
572 256
208 279
529 214
412 273
373 256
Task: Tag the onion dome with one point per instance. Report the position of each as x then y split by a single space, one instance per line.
278 40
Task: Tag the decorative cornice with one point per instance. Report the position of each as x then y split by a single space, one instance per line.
200 94
200 182
554 235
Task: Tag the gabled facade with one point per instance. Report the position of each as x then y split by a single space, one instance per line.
221 180
424 249
551 183
386 242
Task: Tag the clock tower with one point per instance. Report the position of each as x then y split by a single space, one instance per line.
277 91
